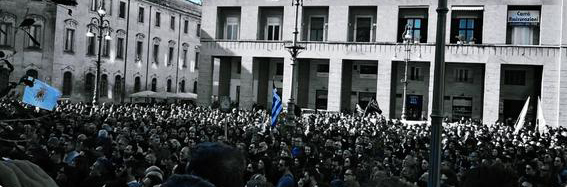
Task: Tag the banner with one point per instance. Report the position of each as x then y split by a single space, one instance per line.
41 95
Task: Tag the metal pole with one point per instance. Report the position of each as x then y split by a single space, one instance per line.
438 91
123 94
294 50
405 81
97 84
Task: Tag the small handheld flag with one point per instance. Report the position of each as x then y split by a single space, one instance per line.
276 106
41 95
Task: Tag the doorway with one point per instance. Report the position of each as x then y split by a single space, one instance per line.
414 105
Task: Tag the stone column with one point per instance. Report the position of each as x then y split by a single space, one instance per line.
246 83
384 86
338 24
249 23
491 106
335 83
205 83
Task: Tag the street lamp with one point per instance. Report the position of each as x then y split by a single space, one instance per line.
408 40
102 25
294 50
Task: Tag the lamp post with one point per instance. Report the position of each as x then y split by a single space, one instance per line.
101 25
408 40
294 50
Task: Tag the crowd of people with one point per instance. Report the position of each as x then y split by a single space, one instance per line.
138 145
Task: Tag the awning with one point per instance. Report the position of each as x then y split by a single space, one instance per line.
468 8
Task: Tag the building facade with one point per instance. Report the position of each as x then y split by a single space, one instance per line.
498 54
152 46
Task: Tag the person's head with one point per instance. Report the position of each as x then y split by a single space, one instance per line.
557 162
261 164
349 175
283 165
530 169
544 170
218 163
424 164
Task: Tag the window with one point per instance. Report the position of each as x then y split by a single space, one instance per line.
323 68
35 31
415 19
67 83
110 6
156 53
463 75
158 19
321 99
367 69
139 50
196 60
237 94
273 28
195 87
94 5
103 86
415 74
117 91
316 28
185 26
5 34
523 25
184 60
466 25
363 29
172 23
198 30
91 45
154 84
106 48
231 28
122 13
137 84
69 39
120 48
515 77
170 56
279 69
32 73
89 83
182 86
141 14
168 85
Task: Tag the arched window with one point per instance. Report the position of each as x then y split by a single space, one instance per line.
89 83
154 84
195 87
182 86
32 73
103 86
117 91
137 84
67 83
168 85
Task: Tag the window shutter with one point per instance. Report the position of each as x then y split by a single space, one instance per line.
401 27
454 30
478 30
423 38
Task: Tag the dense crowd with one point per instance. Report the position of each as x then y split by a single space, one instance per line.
137 145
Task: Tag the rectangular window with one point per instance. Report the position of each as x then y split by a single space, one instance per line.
158 19
466 30
106 48
279 69
523 25
231 28
35 31
317 28
273 28
91 45
120 48
463 75
238 68
368 69
122 13
186 26
414 28
170 56
139 49
413 22
196 60
415 74
172 23
156 53
110 7
69 39
363 29
323 68
466 25
184 61
515 77
94 5
141 14
198 30
5 33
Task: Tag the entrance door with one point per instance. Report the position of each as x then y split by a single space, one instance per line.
462 107
321 99
414 107
512 109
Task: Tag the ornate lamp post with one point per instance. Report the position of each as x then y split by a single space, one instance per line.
294 50
408 40
101 25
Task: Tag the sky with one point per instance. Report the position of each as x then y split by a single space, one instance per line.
196 1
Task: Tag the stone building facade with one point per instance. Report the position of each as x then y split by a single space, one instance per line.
498 54
153 46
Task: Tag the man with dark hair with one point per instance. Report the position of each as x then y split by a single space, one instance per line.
287 178
218 163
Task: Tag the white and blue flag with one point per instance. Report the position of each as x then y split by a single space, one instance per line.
41 95
276 106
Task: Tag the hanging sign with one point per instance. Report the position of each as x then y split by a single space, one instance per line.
523 16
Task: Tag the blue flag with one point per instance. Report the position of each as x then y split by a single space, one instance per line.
276 106
41 95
